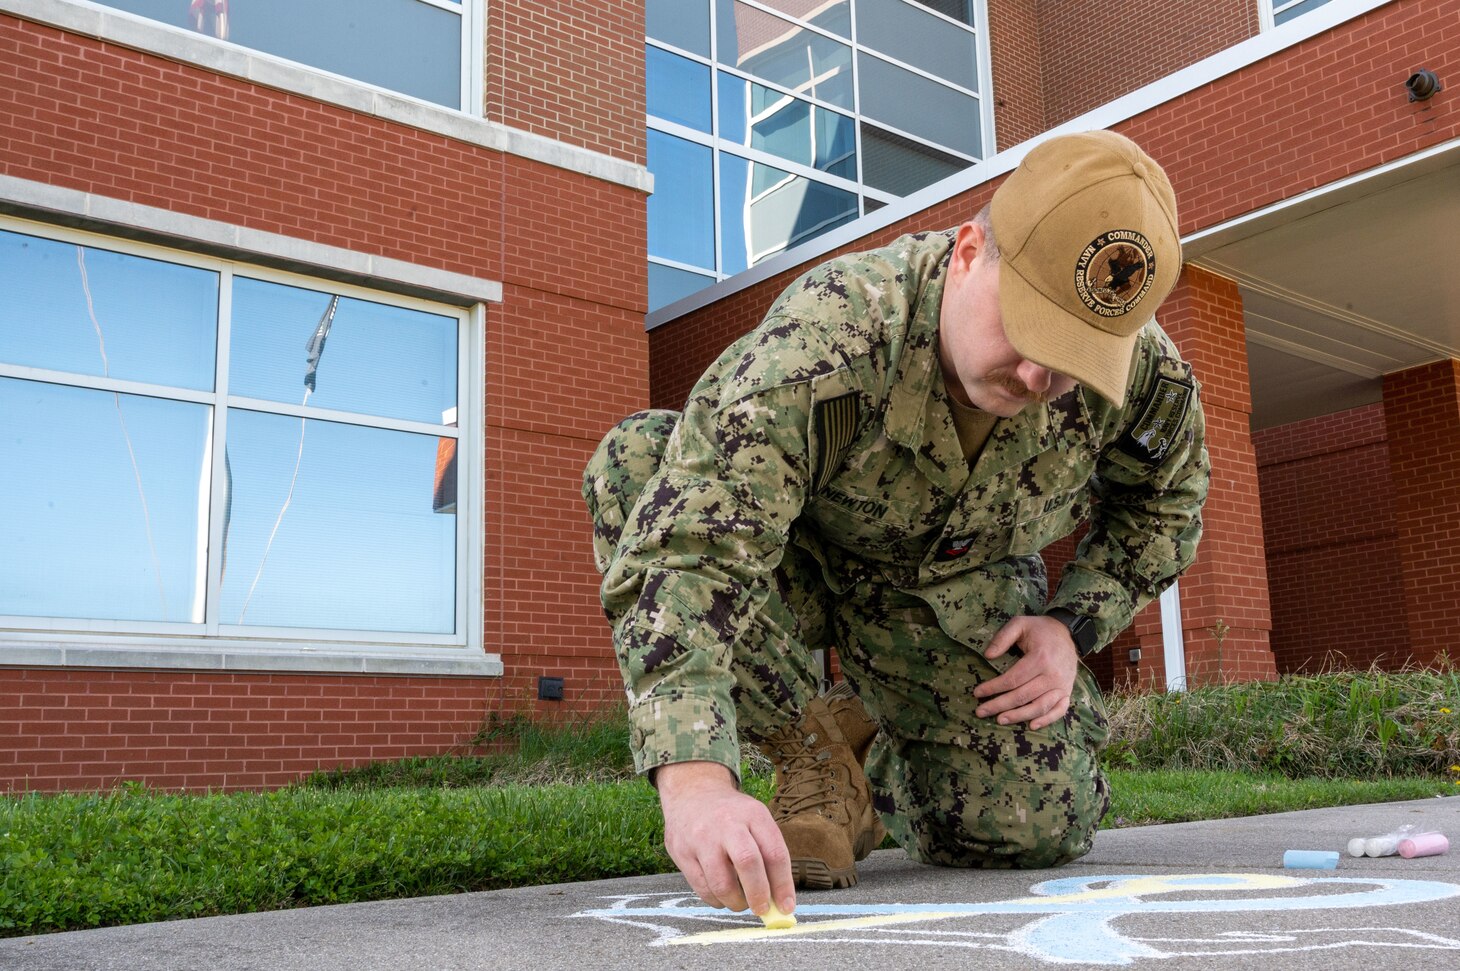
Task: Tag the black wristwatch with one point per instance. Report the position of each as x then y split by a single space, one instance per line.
1082 629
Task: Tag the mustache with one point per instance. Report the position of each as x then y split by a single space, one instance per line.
1010 384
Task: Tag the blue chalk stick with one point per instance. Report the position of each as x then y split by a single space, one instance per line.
1310 860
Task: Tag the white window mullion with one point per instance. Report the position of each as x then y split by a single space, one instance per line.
218 503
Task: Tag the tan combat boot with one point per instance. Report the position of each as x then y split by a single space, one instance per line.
823 804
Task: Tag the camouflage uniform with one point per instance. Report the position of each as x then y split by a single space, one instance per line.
814 494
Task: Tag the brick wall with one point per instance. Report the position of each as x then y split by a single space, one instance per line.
1332 553
1096 52
570 71
566 358
1018 69
90 729
1422 419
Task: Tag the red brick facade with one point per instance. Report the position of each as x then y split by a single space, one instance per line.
1422 417
1332 543
1053 61
571 71
566 355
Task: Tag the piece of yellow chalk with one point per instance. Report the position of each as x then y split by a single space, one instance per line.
775 920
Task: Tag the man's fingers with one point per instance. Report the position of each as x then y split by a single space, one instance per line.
777 859
723 883
745 856
1042 711
1007 637
695 875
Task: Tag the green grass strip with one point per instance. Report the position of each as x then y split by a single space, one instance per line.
77 861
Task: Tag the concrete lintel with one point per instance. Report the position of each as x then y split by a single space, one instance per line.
336 659
149 224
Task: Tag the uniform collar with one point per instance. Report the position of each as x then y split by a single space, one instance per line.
919 394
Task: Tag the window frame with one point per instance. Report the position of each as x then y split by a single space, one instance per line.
472 49
866 194
213 643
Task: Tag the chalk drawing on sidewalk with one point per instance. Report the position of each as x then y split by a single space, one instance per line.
1074 919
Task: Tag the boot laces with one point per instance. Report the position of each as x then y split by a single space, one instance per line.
807 781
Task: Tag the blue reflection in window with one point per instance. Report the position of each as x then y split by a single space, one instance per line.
374 359
403 45
795 130
669 283
678 89
358 545
765 210
780 52
919 106
916 37
683 23
681 209
99 504
65 307
1297 9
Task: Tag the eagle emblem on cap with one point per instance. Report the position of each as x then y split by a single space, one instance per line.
1115 271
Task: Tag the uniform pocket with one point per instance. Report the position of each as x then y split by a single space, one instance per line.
1041 520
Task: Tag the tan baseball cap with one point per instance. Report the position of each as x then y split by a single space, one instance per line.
1086 227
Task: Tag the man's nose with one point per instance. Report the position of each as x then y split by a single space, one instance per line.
1035 377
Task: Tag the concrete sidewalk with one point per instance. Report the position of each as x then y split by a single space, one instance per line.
1187 896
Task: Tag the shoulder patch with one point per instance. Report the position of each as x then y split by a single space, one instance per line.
836 427
1149 439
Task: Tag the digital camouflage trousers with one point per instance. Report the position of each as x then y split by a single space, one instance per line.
952 788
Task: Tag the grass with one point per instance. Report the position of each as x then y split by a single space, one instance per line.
1343 725
561 806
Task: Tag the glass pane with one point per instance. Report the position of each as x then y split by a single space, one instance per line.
900 165
89 311
780 52
683 23
959 10
333 526
1283 16
914 36
871 205
100 511
678 89
357 355
765 210
668 284
796 130
403 45
919 106
832 15
681 209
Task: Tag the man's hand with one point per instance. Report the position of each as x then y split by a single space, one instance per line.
1037 688
723 841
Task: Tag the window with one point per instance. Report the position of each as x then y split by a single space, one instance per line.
192 447
761 122
1285 10
416 47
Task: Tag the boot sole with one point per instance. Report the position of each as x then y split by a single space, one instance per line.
816 875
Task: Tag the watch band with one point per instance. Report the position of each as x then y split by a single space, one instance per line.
1081 627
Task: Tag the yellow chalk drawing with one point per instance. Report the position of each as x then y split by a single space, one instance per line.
1122 890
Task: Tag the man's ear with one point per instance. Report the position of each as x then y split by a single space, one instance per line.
967 246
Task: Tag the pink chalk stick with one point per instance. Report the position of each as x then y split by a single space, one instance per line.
1425 844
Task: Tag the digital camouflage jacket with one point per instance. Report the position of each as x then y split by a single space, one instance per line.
828 427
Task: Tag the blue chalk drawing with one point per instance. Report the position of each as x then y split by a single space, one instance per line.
1076 917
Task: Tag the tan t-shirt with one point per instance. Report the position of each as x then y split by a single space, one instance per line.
974 426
